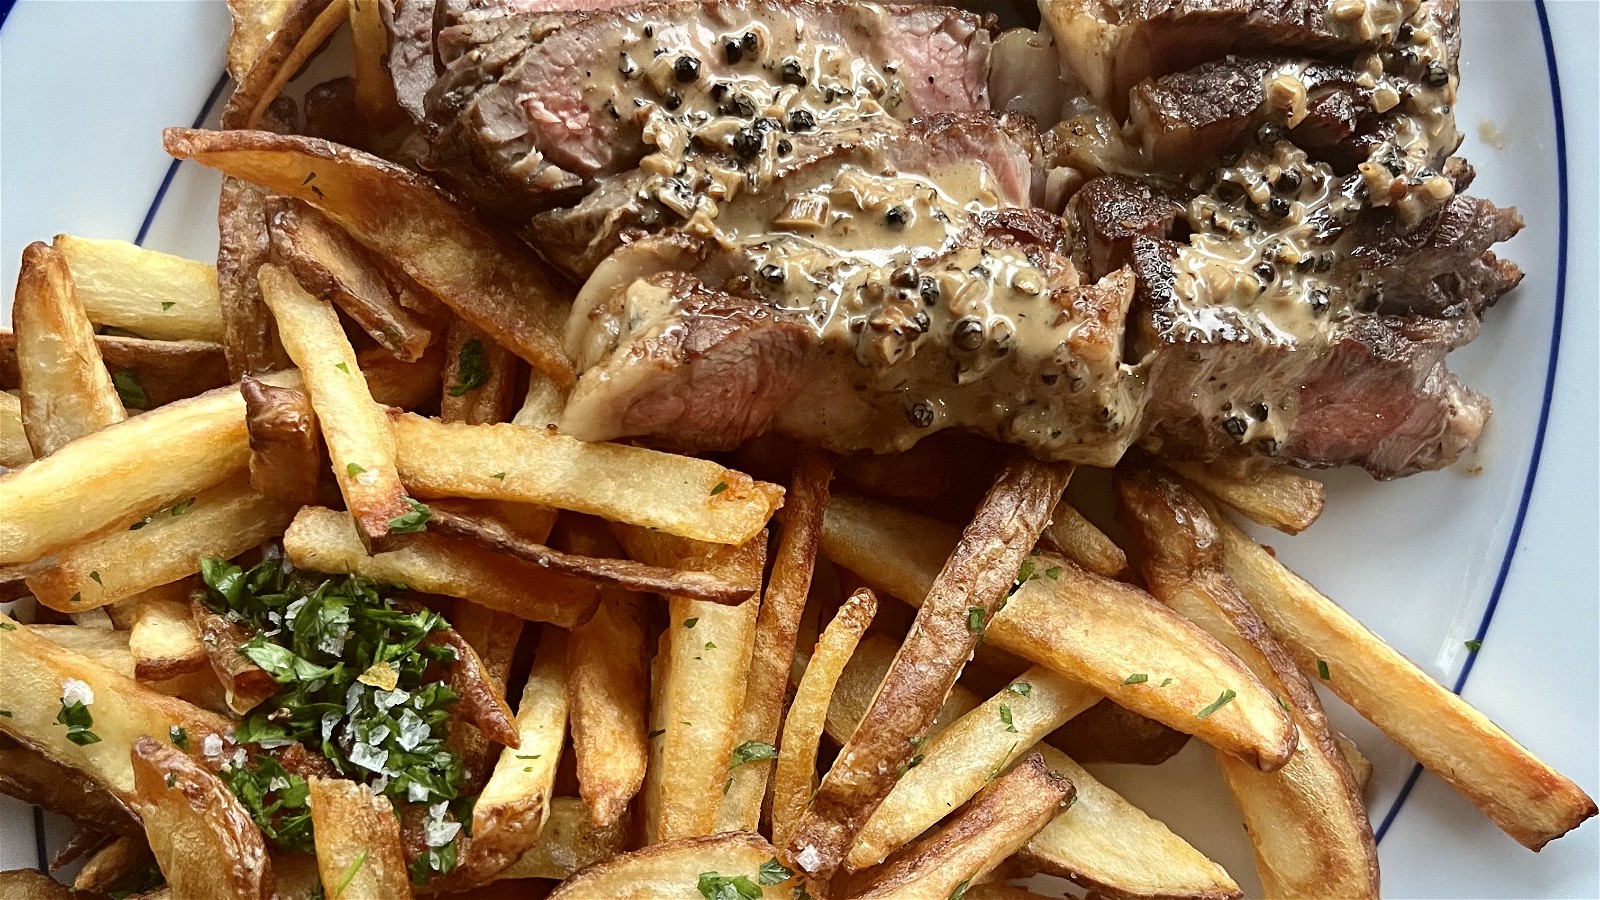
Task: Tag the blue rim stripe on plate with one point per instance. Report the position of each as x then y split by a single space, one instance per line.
1544 407
172 170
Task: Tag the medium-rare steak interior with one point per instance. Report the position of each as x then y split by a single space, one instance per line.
1245 239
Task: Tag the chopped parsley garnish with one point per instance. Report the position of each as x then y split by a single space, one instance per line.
656 733
96 576
1005 717
1223 700
773 872
275 798
499 476
1001 765
690 623
961 890
472 368
1474 646
179 737
1021 689
350 874
168 304
1025 574
7 626
412 522
975 619
343 367
1322 669
75 715
721 887
146 879
130 389
1136 678
5 713
1165 682
751 751
354 469
181 507
721 486
1053 573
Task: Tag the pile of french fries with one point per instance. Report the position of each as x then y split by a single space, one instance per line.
663 677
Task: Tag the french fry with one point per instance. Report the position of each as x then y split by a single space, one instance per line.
608 684
109 648
254 21
958 762
542 405
569 842
1088 628
324 540
1306 821
794 776
223 522
1276 498
885 474
687 869
1530 801
32 671
358 842
480 378
15 451
400 384
679 495
1000 819
245 685
152 294
31 884
478 272
375 95
164 370
286 454
714 587
513 806
164 640
354 427
297 37
249 335
703 661
37 780
777 625
205 842
333 267
1107 733
113 863
1080 541
959 605
1360 766
493 636
66 389
481 700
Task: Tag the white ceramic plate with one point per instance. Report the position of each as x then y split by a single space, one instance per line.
1507 556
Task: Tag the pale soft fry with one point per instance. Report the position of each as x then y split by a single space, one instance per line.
1080 541
354 428
672 870
375 95
297 37
1306 821
66 389
515 803
1000 819
493 635
959 761
286 455
777 625
249 336
480 378
542 405
795 774
1520 793
164 640
222 522
703 661
569 842
1088 628
15 452
112 863
974 580
205 842
1360 766
152 294
1276 498
477 271
324 540
680 495
332 266
357 842
608 684
254 21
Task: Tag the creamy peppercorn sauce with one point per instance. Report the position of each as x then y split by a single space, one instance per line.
884 266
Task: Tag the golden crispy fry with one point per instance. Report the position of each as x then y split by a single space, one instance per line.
1307 820
112 863
569 842
324 540
66 389
1520 793
1000 819
164 640
223 522
777 625
478 272
353 426
249 336
31 884
1103 842
482 701
714 587
358 842
680 495
286 455
608 684
205 842
794 776
152 294
674 870
697 688
1080 541
297 37
959 604
254 22
1277 498
1107 733
493 636
480 378
245 684
374 88
959 761
37 780
15 452
513 806
1088 628
333 267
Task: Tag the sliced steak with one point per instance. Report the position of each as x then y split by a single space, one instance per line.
526 118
